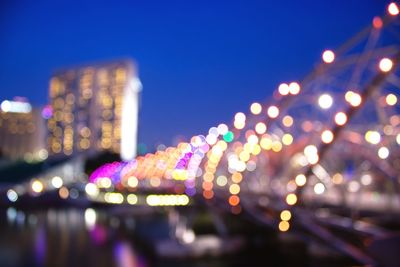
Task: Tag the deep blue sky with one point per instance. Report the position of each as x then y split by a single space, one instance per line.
199 61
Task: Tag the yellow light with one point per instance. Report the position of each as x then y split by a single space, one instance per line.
291 199
383 152
114 198
391 99
208 176
255 108
393 9
287 139
246 148
182 200
153 200
178 174
276 146
353 98
266 143
398 139
348 95
300 180
385 64
283 89
92 190
132 181
239 124
244 156
261 128
340 118
373 137
104 182
222 145
167 200
284 226
327 136
287 121
37 186
294 88
234 189
256 150
325 101
286 215
328 56
273 112
132 199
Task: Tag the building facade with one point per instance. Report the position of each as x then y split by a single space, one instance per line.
94 109
22 131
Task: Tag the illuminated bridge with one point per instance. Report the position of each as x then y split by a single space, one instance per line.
321 155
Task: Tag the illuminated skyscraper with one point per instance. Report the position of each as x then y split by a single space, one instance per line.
22 131
95 108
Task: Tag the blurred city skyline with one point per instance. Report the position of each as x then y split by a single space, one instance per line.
190 56
199 134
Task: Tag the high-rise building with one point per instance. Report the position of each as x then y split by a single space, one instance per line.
22 131
95 108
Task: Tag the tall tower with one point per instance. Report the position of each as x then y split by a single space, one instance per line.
95 108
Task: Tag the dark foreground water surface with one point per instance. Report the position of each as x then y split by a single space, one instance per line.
100 237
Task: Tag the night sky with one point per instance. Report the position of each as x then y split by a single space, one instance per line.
200 62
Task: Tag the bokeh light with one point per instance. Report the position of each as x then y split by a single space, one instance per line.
328 56
385 64
256 108
273 112
393 9
340 118
291 199
325 101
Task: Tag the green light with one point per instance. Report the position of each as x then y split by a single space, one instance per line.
228 137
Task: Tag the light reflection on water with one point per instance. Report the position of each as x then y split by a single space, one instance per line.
65 237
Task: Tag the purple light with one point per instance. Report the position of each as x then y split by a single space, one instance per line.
190 191
190 183
47 112
130 166
40 245
98 234
125 255
110 170
182 163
